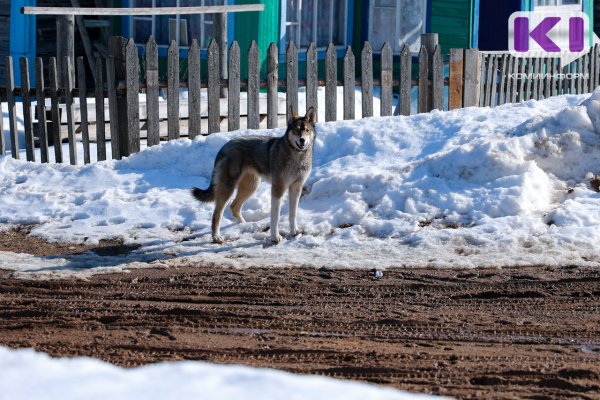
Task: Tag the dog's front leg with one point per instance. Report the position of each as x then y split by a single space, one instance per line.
294 196
276 195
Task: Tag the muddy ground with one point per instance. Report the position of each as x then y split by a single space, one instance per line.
479 333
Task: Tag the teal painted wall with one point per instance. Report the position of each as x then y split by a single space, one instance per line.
451 19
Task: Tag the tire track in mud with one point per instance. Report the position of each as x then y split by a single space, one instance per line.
507 333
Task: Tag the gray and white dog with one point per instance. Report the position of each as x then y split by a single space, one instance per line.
284 161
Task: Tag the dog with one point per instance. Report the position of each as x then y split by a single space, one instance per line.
285 162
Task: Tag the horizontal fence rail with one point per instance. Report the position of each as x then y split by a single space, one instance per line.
474 78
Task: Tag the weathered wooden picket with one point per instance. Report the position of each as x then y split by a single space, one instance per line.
475 79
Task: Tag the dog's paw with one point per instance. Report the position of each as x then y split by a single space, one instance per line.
295 232
218 239
276 238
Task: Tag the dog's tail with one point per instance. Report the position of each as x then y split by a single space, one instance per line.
204 195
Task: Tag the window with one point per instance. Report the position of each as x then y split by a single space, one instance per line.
319 21
555 3
164 27
398 22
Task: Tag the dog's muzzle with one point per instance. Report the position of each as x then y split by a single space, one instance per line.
301 144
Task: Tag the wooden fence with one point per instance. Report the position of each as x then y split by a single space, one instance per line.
474 79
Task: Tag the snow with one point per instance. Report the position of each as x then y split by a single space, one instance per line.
27 374
502 186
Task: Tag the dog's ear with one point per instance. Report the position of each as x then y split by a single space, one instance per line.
293 115
311 116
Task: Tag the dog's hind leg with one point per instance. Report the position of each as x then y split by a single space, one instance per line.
222 195
247 186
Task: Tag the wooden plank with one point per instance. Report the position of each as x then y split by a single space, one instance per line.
2 140
530 79
139 11
503 79
438 79
585 70
100 122
12 110
455 81
522 87
366 58
494 83
536 79
592 77
233 88
291 92
132 79
68 79
554 81
330 83
27 117
85 133
483 68
349 82
65 43
597 65
173 91
489 79
85 38
573 82
113 106
429 40
272 81
423 80
312 78
118 111
515 81
405 81
41 110
253 87
472 78
194 86
54 99
548 80
386 79
152 93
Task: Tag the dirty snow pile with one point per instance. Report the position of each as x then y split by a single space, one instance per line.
510 185
30 375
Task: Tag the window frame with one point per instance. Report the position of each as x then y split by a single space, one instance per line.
163 48
577 7
396 51
347 18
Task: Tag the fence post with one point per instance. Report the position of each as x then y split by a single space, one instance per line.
291 90
366 58
152 91
429 41
132 77
472 78
27 120
173 91
2 142
503 79
349 82
423 81
330 84
56 134
253 112
233 88
65 43
437 90
100 122
272 81
115 71
405 81
68 79
41 109
12 108
214 88
194 85
85 133
221 35
312 77
386 80
455 83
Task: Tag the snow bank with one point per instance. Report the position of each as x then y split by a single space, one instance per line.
30 375
478 186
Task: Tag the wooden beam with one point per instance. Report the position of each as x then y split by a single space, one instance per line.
141 11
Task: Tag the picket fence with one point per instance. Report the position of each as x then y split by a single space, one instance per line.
475 78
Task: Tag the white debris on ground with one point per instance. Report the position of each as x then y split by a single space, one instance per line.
504 186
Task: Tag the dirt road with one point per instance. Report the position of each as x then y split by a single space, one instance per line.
511 333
